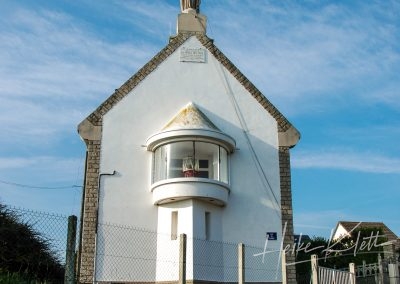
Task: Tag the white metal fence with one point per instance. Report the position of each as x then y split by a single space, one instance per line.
381 272
333 276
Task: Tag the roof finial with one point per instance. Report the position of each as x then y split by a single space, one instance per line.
190 4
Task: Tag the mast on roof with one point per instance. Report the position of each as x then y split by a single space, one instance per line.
190 19
190 4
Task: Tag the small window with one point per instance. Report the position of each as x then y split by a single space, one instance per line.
207 225
203 164
174 225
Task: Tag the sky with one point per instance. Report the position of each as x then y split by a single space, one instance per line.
331 67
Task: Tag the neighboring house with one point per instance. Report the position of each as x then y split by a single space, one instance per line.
345 228
186 145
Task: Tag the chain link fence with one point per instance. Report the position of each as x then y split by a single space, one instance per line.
212 260
32 246
263 264
123 253
129 254
33 250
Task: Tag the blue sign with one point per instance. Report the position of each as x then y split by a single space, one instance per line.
272 236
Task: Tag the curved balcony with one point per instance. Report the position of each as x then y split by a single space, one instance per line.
172 190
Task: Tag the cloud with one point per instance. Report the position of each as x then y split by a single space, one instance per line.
387 94
315 223
14 163
323 222
346 160
58 57
295 53
291 52
55 71
147 17
41 170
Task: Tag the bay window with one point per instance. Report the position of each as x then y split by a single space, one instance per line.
190 159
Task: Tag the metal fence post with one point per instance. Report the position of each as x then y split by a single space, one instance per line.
393 273
69 276
241 269
314 269
364 268
380 267
284 279
352 270
182 259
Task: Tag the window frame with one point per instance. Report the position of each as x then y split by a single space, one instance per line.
157 176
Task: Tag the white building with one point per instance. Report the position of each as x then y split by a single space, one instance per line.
186 145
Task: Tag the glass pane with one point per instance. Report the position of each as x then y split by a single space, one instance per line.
207 153
203 164
203 174
223 167
159 164
179 155
176 163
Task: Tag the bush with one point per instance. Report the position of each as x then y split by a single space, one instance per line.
25 255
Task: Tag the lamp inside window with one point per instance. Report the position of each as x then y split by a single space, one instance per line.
190 167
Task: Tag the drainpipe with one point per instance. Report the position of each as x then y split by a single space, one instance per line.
97 218
98 195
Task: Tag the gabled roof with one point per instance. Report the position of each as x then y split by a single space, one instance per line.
349 226
288 135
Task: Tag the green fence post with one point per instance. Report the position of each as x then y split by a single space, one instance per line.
69 276
182 259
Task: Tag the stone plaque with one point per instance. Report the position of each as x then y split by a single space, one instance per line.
193 54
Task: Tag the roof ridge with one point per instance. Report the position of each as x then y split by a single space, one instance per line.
95 118
369 224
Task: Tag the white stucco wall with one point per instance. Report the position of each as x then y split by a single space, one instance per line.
125 198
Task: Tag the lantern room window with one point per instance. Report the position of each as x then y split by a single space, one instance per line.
186 159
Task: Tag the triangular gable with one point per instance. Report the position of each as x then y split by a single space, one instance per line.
288 134
190 117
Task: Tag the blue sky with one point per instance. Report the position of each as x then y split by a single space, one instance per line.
331 67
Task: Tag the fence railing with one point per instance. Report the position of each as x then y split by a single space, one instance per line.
329 275
50 226
323 275
126 254
40 247
381 272
33 246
